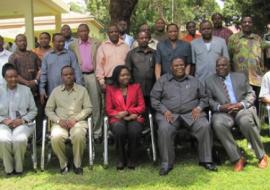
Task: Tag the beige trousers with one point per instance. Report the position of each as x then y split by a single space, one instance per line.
13 143
94 92
77 135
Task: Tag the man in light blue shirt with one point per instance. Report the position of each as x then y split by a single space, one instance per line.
122 26
232 103
67 33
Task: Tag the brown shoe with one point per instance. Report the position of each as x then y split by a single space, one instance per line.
239 165
263 163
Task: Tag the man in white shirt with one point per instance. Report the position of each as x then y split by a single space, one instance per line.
4 55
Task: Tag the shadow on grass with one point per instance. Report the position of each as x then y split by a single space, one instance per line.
185 173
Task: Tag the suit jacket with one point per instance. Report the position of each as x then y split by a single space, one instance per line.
115 102
242 90
74 46
24 102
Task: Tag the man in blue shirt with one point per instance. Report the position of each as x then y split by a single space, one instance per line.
231 99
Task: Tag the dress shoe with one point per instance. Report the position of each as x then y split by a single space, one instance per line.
164 171
120 166
239 165
131 165
209 166
18 173
78 171
263 163
64 170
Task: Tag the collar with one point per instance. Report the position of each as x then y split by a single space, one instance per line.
120 42
87 42
251 36
59 52
74 88
171 77
4 52
70 39
147 50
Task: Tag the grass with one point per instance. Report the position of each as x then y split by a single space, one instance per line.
186 175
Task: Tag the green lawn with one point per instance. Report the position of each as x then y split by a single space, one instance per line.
186 175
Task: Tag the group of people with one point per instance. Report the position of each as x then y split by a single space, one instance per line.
176 80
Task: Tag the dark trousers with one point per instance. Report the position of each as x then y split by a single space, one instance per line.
257 92
39 118
126 131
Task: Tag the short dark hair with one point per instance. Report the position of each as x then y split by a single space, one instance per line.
245 16
20 35
46 33
112 25
56 34
190 22
65 67
205 21
179 57
116 73
84 25
216 14
148 34
7 67
172 24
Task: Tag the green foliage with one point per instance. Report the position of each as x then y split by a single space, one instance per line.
100 9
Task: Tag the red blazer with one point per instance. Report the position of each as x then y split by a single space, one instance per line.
115 102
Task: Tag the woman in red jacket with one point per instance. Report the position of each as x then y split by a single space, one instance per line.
124 107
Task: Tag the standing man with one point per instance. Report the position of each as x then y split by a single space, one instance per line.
67 33
110 53
44 45
85 49
246 51
152 42
52 63
231 99
141 62
122 25
4 55
219 30
206 50
181 99
191 29
266 38
160 33
170 48
27 65
68 107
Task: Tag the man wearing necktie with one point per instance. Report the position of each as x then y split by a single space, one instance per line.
231 100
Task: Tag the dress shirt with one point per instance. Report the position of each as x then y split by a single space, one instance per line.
72 104
41 52
4 55
86 56
68 42
189 38
127 39
223 32
52 63
152 44
229 86
109 55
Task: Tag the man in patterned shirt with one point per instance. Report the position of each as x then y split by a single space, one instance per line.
246 51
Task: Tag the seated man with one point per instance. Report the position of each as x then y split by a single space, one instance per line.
265 88
68 107
232 99
180 99
17 110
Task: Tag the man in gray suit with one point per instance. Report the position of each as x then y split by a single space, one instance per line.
231 99
180 99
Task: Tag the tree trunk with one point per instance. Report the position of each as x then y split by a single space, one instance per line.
121 9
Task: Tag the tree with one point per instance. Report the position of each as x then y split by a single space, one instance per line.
121 9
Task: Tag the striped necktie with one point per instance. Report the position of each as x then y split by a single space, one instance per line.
225 89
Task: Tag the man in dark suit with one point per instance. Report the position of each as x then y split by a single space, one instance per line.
180 99
231 99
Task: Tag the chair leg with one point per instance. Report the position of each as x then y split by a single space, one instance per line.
152 138
34 147
105 136
90 143
42 160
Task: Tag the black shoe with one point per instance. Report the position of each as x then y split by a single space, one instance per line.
64 170
209 166
164 171
78 171
120 166
10 173
131 165
98 140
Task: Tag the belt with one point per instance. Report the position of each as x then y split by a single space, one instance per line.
88 73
